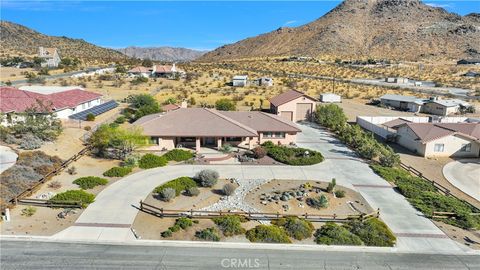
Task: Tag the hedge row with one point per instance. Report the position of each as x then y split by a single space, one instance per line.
149 161
118 171
292 156
179 185
89 182
178 155
73 195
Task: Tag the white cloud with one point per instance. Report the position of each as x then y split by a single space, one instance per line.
446 5
290 22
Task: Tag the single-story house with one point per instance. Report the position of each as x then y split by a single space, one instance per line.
468 62
202 127
293 106
443 106
432 105
64 104
50 57
140 71
167 71
440 139
240 80
399 80
330 98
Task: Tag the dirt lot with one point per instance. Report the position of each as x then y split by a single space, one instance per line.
338 206
13 73
468 238
358 107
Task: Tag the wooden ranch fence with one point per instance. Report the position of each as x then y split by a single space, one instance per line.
160 212
48 203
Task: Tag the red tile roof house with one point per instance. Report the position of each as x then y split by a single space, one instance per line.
14 101
440 139
201 127
167 71
293 106
140 71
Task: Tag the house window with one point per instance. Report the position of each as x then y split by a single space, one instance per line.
268 134
83 106
439 147
466 147
279 134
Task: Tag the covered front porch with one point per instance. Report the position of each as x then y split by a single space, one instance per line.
197 143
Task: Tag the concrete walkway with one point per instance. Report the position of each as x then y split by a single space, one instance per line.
109 218
465 175
8 158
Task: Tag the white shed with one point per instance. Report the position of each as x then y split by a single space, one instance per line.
330 98
240 80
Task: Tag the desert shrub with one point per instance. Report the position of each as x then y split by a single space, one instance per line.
30 142
331 185
175 228
230 225
55 185
72 170
120 120
149 161
319 202
90 117
390 174
167 233
207 178
117 171
339 193
115 142
226 148
73 195
184 222
228 189
130 160
29 211
292 156
179 185
167 194
268 234
178 155
295 227
208 234
225 104
192 191
87 128
372 232
333 234
259 152
89 182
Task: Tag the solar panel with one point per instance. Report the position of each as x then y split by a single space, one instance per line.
97 110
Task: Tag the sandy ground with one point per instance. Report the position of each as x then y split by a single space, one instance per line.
358 107
13 73
337 206
465 237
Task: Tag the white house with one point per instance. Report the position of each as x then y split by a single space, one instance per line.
50 56
265 81
240 80
330 98
433 105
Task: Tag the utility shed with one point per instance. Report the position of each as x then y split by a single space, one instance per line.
330 98
293 105
240 80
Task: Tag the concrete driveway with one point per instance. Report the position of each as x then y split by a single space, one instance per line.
109 218
7 158
465 175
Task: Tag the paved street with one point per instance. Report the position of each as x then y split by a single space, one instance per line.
109 218
465 175
166 256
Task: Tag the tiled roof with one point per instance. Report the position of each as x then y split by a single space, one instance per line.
288 96
140 70
396 122
431 131
15 100
170 107
165 69
201 122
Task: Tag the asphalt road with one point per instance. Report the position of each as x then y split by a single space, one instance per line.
53 255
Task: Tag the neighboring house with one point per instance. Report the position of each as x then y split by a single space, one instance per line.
265 81
202 127
170 72
398 80
240 80
471 74
440 139
172 107
140 71
443 106
404 103
50 56
64 104
330 98
469 62
432 105
293 106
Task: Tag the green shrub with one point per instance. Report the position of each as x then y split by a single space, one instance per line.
318 203
331 185
149 161
167 233
230 225
178 155
73 195
259 152
120 120
268 234
90 182
90 117
207 178
292 156
208 234
295 227
175 228
339 193
333 234
184 222
390 174
167 194
29 211
179 185
372 232
118 171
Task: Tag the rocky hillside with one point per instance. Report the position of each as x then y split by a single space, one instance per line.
163 53
395 29
18 40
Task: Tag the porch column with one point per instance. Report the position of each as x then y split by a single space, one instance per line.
219 143
250 142
197 144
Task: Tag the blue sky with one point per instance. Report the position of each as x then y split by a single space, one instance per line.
197 25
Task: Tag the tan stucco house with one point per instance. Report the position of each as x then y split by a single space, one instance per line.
202 127
440 139
293 106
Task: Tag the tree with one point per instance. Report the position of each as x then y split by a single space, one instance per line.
170 100
225 104
37 61
116 142
143 104
147 63
330 116
192 101
120 69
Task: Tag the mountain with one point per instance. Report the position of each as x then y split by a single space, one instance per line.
18 40
394 29
162 53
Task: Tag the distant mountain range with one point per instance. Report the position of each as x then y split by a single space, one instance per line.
18 40
393 29
162 53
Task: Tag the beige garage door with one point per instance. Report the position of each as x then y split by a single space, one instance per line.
303 111
287 115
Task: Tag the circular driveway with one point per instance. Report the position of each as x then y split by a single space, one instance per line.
465 175
7 158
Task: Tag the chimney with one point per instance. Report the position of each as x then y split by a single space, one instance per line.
174 68
184 104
